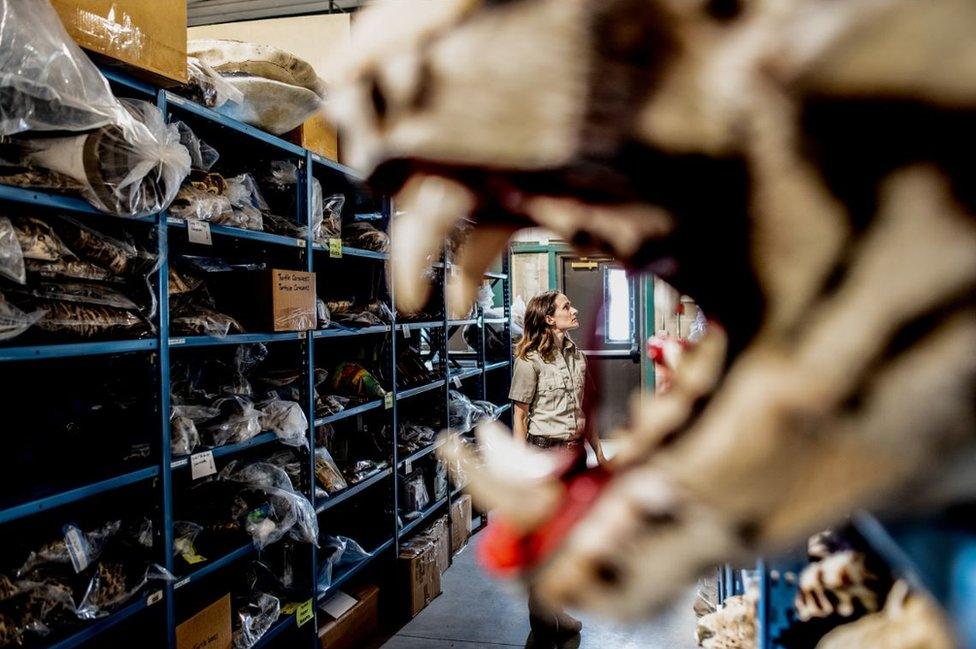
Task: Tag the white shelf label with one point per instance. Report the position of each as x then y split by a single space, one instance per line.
78 549
198 232
456 381
406 330
388 400
181 583
202 465
173 342
408 467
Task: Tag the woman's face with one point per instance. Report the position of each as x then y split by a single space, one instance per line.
564 317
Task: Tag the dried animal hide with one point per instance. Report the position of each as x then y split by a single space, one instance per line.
797 167
838 584
908 621
732 626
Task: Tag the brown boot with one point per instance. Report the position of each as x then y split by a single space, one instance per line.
549 624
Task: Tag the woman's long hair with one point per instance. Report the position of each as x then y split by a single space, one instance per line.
537 335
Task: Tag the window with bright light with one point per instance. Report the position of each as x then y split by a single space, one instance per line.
617 291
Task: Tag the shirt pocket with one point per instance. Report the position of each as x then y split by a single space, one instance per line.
549 381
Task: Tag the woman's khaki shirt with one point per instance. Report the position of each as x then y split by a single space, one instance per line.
554 391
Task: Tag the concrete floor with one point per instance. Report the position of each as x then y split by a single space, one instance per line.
476 611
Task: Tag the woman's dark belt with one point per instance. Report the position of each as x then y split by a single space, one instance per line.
553 442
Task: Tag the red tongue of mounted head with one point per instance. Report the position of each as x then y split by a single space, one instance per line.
506 552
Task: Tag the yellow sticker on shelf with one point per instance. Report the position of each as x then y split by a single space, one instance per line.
388 400
335 248
192 557
304 613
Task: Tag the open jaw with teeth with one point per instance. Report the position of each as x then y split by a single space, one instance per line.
800 168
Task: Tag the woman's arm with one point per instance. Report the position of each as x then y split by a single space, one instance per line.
522 394
520 421
593 437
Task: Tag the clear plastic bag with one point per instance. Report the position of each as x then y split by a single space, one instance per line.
180 283
46 82
90 321
113 584
202 155
330 404
34 609
289 461
366 236
209 88
184 436
322 314
75 548
69 269
440 481
128 169
118 257
11 256
287 511
14 322
196 203
198 320
279 180
254 617
82 293
38 241
415 495
185 534
327 222
462 413
238 421
341 554
287 420
353 379
327 472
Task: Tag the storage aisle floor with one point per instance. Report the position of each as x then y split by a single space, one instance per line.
475 611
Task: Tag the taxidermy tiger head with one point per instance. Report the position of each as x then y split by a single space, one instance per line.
802 168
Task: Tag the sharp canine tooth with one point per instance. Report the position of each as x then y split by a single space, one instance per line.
522 503
511 460
432 205
482 246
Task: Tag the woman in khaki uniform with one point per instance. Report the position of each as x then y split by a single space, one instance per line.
547 393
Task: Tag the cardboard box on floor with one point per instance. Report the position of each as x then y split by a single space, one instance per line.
422 578
208 629
147 38
357 625
318 39
460 522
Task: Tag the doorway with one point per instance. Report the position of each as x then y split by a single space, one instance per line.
609 330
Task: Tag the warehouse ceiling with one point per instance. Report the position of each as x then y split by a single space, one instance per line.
209 12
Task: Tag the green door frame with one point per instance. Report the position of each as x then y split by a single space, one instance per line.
645 294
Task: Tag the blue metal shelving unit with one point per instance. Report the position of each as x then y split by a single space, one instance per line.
166 469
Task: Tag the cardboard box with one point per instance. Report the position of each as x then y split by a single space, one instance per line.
442 542
357 625
293 300
460 522
422 579
318 136
147 38
208 629
268 300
